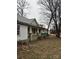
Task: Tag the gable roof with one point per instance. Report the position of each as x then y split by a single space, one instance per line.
27 21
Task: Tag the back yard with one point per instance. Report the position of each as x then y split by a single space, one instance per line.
49 48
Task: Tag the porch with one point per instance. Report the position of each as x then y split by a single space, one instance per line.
35 32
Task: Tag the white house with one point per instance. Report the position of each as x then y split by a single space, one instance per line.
28 27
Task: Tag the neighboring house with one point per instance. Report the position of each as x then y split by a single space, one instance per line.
28 27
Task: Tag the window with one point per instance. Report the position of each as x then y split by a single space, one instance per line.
18 29
39 30
33 30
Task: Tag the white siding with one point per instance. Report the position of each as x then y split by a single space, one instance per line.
23 33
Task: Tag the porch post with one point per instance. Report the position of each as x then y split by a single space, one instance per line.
30 34
30 30
38 30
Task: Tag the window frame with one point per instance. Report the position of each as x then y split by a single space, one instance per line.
18 29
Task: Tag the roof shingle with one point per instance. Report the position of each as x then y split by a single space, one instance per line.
32 22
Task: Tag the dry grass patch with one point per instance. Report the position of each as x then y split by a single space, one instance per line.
42 49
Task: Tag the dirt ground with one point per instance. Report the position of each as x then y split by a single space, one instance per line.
49 48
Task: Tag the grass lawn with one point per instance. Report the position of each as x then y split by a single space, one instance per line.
42 49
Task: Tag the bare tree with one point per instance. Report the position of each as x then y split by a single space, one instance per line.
21 6
53 6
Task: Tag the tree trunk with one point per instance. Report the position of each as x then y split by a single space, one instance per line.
56 26
22 12
50 21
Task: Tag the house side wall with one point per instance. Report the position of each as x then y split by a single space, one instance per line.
23 33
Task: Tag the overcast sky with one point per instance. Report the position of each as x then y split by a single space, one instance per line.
34 11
